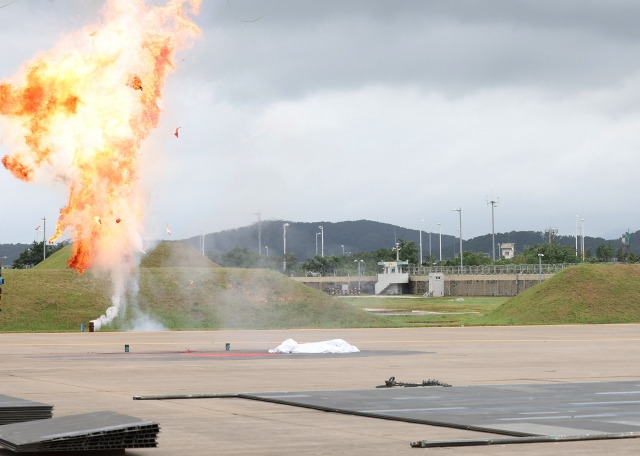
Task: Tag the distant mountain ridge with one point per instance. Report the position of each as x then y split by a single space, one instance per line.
367 236
355 236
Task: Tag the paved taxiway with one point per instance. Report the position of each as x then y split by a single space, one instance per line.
86 372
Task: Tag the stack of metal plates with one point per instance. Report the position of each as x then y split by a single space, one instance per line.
102 430
16 410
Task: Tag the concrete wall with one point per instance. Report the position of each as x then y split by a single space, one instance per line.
479 285
454 285
333 285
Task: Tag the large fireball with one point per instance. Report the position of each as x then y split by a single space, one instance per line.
79 113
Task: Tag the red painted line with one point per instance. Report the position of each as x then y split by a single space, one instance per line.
228 355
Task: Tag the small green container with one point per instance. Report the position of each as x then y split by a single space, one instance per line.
227 346
126 348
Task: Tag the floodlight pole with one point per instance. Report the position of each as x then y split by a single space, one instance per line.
493 231
459 211
259 234
44 238
440 229
577 217
540 255
582 239
358 261
421 220
284 237
321 241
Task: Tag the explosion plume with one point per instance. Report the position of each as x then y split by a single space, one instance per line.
78 114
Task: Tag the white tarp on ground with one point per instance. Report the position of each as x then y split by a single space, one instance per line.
327 346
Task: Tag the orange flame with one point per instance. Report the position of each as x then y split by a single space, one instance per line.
81 111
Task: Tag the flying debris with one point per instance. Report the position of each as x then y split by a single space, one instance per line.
176 133
118 220
135 82
38 228
98 220
167 228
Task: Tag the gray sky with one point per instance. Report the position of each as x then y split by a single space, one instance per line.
393 111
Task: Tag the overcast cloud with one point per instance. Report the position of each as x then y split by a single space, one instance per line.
393 111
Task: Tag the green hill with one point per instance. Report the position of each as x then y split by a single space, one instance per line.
166 253
581 294
192 293
57 260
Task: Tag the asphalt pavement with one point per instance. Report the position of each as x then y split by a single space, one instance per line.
194 387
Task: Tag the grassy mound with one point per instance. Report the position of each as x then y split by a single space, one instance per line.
179 289
57 260
200 298
582 294
174 254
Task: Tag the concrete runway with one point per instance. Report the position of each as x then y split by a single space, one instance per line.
87 372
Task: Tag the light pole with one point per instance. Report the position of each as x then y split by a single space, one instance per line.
493 231
540 255
321 241
421 220
317 234
397 249
259 235
459 211
577 217
440 229
582 220
44 238
342 245
358 261
267 247
284 237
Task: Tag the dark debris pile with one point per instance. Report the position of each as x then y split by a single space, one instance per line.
393 383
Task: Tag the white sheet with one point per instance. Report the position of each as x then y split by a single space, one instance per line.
327 346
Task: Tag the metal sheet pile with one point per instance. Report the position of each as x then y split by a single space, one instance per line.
103 430
16 410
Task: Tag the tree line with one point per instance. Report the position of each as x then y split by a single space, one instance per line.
35 254
367 262
552 253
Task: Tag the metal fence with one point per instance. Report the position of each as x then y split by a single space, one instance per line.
415 270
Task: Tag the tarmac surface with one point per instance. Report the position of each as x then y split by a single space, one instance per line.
538 380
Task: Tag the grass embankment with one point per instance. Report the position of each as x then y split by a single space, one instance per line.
447 311
49 298
584 294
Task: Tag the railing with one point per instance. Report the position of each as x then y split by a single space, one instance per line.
501 269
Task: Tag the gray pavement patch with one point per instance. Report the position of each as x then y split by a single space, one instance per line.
567 409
